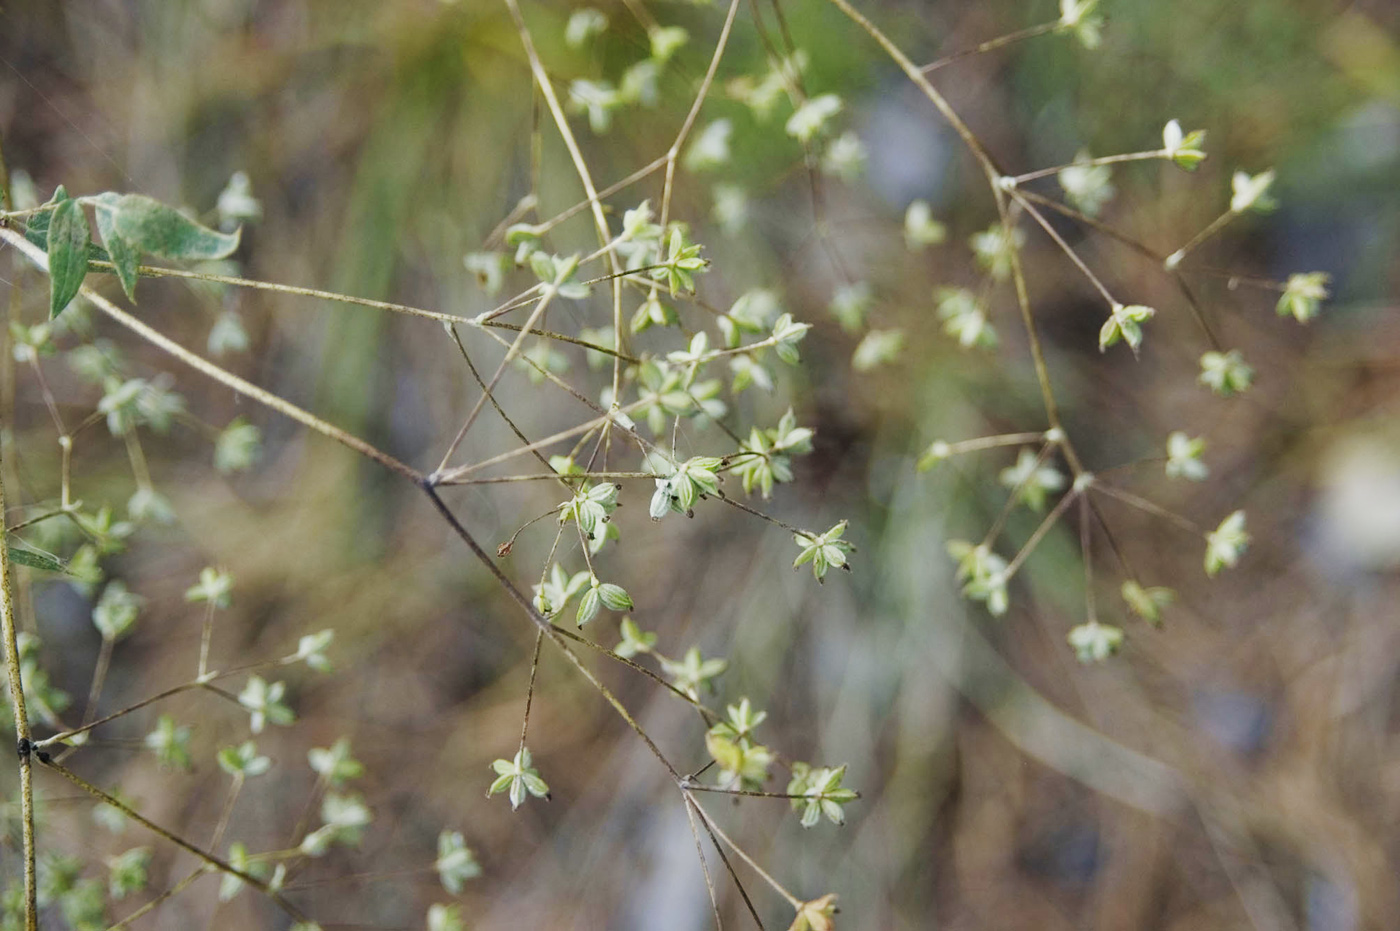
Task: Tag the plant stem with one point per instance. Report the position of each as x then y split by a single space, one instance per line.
21 714
8 630
1102 160
1066 248
1040 533
209 858
222 376
1019 35
793 900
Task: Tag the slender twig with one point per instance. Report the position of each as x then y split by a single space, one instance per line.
739 851
1139 247
694 786
1174 260
700 95
227 814
706 712
206 637
204 682
1087 556
222 376
21 715
160 899
728 867
704 867
9 630
155 271
99 677
210 859
1101 160
563 338
993 442
490 386
530 691
1013 498
1066 248
36 519
1151 507
585 176
555 476
1039 534
1019 35
544 626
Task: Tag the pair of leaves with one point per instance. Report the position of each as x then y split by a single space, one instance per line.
130 225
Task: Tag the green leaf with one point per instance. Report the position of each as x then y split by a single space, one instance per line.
1184 149
36 227
123 256
152 228
67 243
36 559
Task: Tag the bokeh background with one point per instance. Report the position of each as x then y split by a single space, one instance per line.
1236 768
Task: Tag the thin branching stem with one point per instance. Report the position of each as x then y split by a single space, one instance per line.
1050 519
1151 507
1013 498
993 442
161 899
490 386
1030 32
674 152
778 887
204 682
206 637
530 690
155 271
8 629
704 866
220 375
1101 160
1219 223
1066 248
1087 556
210 859
728 866
99 677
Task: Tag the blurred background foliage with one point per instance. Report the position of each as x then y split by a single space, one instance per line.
1236 768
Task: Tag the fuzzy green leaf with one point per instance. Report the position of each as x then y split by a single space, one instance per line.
67 243
152 228
123 255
